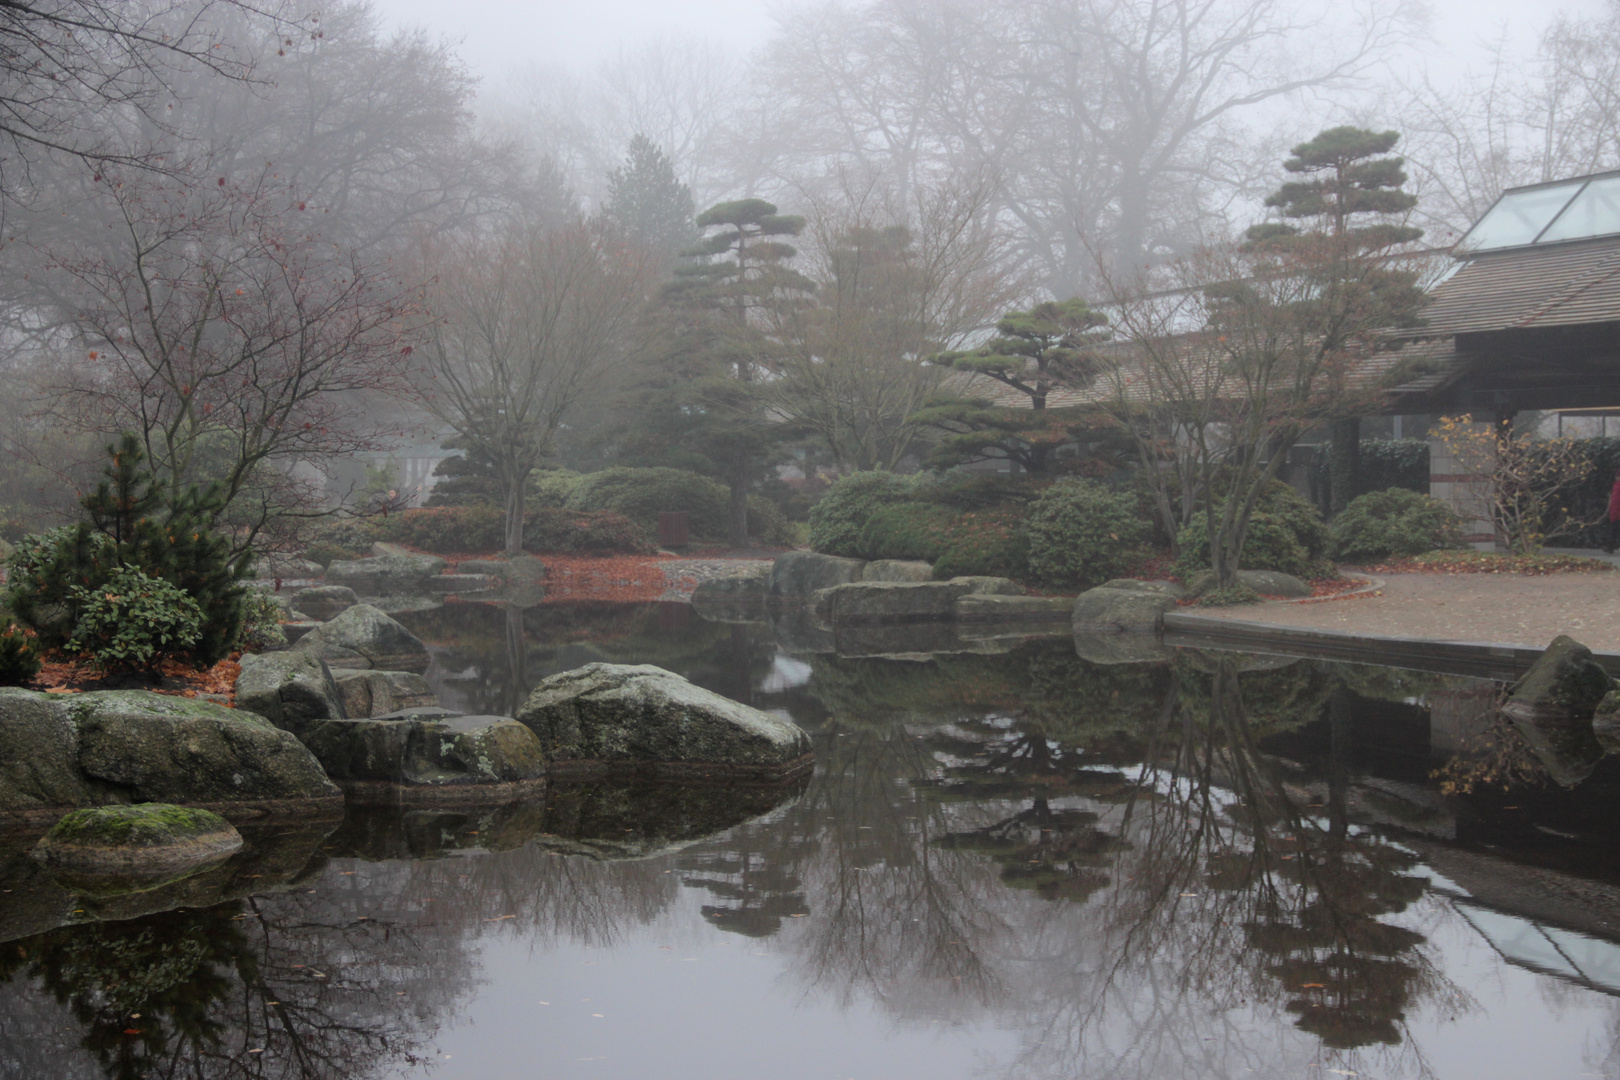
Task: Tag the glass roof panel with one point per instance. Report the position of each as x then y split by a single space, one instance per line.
1518 218
1594 212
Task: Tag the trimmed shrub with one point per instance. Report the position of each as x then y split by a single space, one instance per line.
550 531
1082 534
906 531
130 621
552 487
767 524
642 494
19 656
988 542
838 517
1393 523
1285 534
448 529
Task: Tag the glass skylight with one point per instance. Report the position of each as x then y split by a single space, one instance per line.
1575 210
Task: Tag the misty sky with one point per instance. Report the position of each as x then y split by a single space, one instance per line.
497 35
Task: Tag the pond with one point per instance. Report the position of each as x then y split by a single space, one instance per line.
1010 862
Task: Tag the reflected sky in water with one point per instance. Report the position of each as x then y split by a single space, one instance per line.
1010 862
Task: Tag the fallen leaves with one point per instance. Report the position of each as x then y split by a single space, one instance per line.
1492 562
621 578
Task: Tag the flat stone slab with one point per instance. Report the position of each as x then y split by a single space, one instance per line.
1124 605
898 570
605 718
798 575
904 601
394 573
454 584
988 607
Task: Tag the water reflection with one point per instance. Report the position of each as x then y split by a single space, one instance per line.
1201 865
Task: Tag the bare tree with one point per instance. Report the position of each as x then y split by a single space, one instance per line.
893 288
531 322
215 322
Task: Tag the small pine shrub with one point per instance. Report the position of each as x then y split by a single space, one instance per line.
261 623
132 622
642 494
1081 534
767 524
906 531
19 656
1393 523
985 542
837 518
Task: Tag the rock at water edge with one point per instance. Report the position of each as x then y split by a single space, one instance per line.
1124 606
288 689
617 717
797 575
1553 708
322 602
365 637
368 693
144 841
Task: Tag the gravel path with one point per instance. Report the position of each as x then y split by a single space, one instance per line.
1507 609
684 575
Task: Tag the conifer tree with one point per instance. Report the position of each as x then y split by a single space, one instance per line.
1033 353
648 202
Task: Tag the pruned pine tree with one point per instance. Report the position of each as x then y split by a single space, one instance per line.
1033 352
717 352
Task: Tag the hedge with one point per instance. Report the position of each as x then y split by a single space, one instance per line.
838 516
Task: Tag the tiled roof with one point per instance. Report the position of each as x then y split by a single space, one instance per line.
1562 285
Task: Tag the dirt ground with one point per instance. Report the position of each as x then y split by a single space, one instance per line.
1507 609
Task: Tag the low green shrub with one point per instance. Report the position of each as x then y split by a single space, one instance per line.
642 494
448 529
768 525
131 622
985 542
1286 533
1393 523
552 487
350 534
839 515
551 531
1229 596
1081 534
261 623
19 656
906 531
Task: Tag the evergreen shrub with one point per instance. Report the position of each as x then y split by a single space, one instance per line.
906 531
985 542
642 494
19 656
1286 533
1081 534
839 515
261 623
1393 523
130 621
549 531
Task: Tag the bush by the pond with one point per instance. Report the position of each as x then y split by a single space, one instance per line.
1286 533
642 494
1081 534
989 542
1393 523
447 529
130 621
261 623
19 656
907 530
556 531
552 487
838 517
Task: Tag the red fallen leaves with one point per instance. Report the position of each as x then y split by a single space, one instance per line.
59 674
621 578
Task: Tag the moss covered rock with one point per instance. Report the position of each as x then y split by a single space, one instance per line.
146 842
365 637
1124 605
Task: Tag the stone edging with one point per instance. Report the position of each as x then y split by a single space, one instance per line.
1483 658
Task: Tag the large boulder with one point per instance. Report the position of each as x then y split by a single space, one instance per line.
798 575
997 607
1553 706
324 602
1264 582
365 637
385 575
898 570
642 719
289 689
366 694
1124 605
142 845
450 754
119 746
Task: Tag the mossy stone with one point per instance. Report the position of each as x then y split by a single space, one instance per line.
134 847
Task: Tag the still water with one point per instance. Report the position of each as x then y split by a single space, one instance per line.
1009 862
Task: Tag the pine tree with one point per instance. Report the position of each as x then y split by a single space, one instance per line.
648 201
1033 353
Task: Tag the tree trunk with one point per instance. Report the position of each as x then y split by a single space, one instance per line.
1344 463
739 503
514 499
